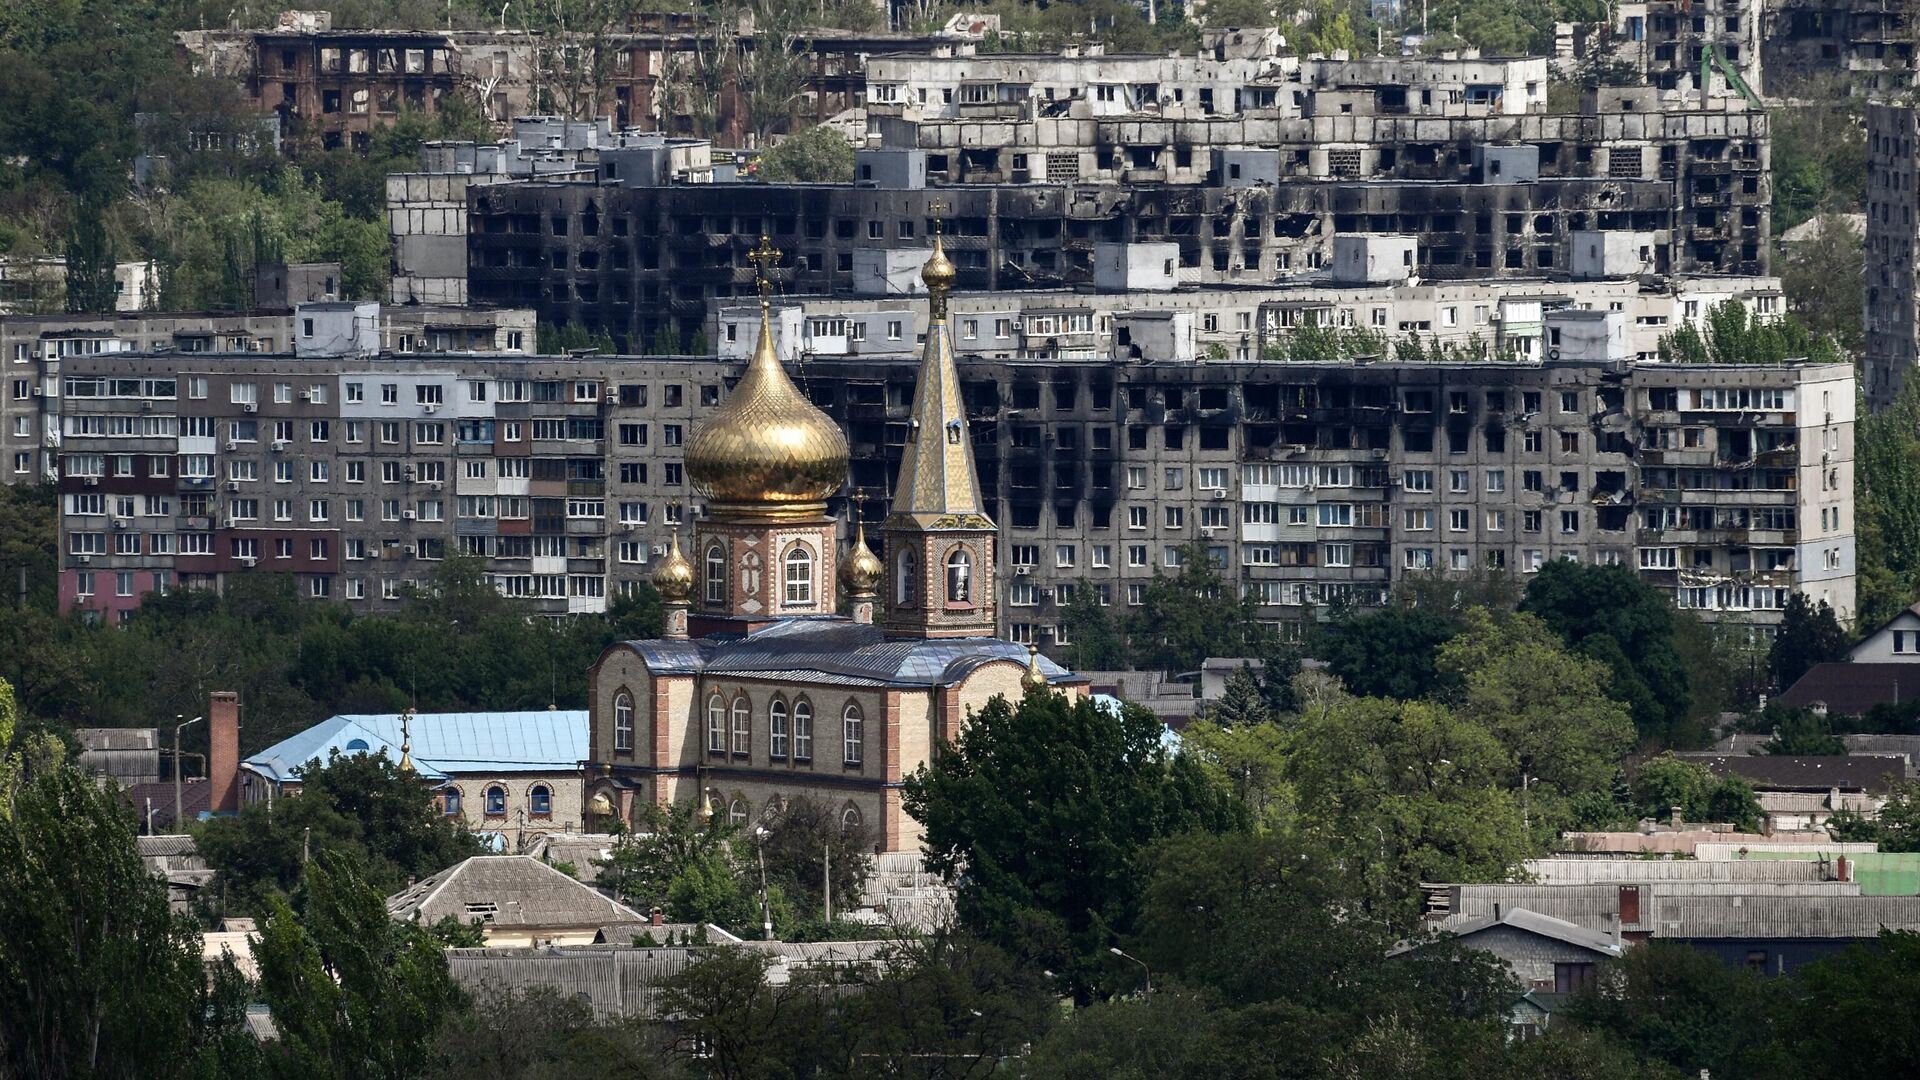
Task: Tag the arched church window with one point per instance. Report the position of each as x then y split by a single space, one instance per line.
960 577
799 575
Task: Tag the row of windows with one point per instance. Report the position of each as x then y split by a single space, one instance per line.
730 729
494 800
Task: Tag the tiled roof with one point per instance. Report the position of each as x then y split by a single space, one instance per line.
517 891
1849 689
1783 772
443 743
836 651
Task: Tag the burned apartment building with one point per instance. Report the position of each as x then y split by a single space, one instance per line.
340 85
294 315
1137 307
643 263
1892 301
1308 483
1864 46
1667 41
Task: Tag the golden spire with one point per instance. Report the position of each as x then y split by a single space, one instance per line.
861 572
673 578
406 741
767 451
937 479
1033 678
939 273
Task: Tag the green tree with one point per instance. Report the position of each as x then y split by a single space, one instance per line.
1609 615
1895 828
1808 635
90 262
1799 732
1241 703
996 804
1825 280
737 1026
1248 759
804 840
1851 1011
1887 507
361 805
1736 336
1407 792
540 1032
1665 782
1099 641
675 861
1681 1007
816 155
1546 706
101 979
1386 653
945 1005
1185 617
353 992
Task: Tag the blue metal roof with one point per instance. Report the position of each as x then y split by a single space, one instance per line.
443 743
836 650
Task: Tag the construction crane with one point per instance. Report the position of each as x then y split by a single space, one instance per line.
1710 58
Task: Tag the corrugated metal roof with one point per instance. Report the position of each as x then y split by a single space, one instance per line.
847 652
443 743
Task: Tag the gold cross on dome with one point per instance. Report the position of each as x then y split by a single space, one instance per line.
859 500
936 209
766 256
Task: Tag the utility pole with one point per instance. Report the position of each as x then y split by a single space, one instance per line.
826 867
177 728
766 913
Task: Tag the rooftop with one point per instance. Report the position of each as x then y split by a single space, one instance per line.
836 651
1850 689
444 744
510 892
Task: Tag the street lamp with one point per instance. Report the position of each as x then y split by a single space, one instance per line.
760 835
1115 950
177 728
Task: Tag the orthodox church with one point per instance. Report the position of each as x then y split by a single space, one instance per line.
784 670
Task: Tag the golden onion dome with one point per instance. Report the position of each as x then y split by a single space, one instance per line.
767 450
673 578
939 273
1033 678
861 571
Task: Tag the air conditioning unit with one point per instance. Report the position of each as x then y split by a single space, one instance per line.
146 406
626 526
1022 571
431 408
248 561
613 397
279 446
306 395
91 481
659 549
250 407
84 560
407 515
410 551
1219 493
232 445
233 485
39 392
119 523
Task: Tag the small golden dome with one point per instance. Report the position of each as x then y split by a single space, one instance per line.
673 578
1033 679
767 449
939 273
861 571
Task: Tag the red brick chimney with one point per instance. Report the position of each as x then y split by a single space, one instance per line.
223 752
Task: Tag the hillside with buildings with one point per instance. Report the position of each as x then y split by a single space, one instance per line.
1089 539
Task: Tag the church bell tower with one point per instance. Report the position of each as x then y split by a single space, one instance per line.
939 541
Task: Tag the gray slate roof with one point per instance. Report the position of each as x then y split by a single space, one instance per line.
1544 925
525 894
836 651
